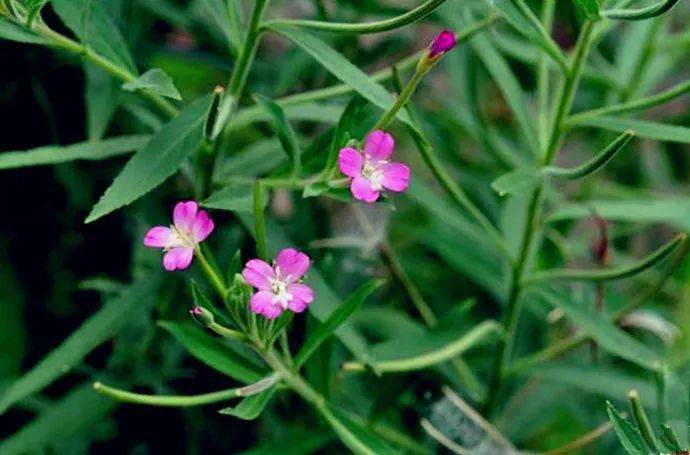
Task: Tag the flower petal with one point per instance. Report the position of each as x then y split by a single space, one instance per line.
396 176
202 227
184 215
258 273
350 162
302 295
178 259
159 237
262 303
362 189
292 263
379 145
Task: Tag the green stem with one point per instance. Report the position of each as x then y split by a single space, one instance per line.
366 28
239 74
226 332
550 46
211 274
259 221
547 14
167 400
642 421
403 98
295 381
123 74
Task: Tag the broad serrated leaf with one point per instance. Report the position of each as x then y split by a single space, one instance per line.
340 315
100 327
158 160
155 81
628 435
102 98
214 352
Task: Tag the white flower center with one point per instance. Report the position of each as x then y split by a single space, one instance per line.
280 292
372 171
180 239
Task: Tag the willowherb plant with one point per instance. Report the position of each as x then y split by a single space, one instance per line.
511 283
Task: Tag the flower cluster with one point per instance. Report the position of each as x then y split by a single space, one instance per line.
279 285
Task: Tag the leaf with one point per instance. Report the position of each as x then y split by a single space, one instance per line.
214 352
356 437
642 128
102 99
33 10
75 413
669 439
13 334
53 154
315 189
590 7
94 26
157 161
233 197
341 68
607 335
628 435
251 407
285 134
520 180
137 298
405 354
300 441
155 81
337 317
13 32
638 14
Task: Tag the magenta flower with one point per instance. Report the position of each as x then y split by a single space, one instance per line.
279 287
442 43
373 172
191 227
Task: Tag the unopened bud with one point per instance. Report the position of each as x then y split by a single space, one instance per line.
442 43
202 316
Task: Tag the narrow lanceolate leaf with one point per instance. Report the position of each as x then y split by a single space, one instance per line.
638 14
153 164
610 274
517 181
355 436
53 154
340 315
628 435
251 407
98 328
642 128
286 135
341 68
606 334
13 32
234 197
408 355
595 163
155 81
102 96
74 414
341 133
214 352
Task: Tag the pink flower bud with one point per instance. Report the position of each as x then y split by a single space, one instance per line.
442 43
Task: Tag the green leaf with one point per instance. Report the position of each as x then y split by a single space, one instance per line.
301 441
315 189
94 26
102 98
285 133
341 134
590 7
13 334
356 437
638 14
155 81
13 32
233 197
157 161
137 298
75 413
53 154
610 274
628 435
337 317
518 181
214 352
607 335
669 439
33 10
405 354
251 407
642 128
341 68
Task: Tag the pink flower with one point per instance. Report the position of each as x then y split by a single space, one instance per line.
191 227
442 43
279 286
373 172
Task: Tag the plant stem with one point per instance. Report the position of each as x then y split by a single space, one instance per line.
259 221
547 14
238 78
211 274
403 98
166 400
565 101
